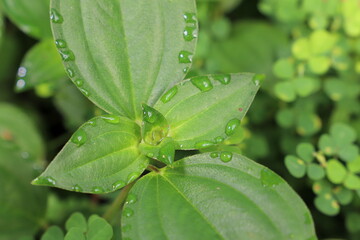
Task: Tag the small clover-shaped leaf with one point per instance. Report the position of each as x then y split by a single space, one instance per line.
306 151
53 233
327 204
344 196
315 171
336 171
296 166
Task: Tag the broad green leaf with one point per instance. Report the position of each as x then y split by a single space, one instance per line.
53 233
335 171
207 107
32 17
41 64
76 220
22 205
16 126
296 166
113 163
204 198
115 47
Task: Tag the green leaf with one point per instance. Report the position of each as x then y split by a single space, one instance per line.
296 166
327 205
315 172
354 166
301 49
327 145
308 124
22 205
76 220
342 134
136 43
306 151
113 163
353 222
99 229
215 203
349 153
164 152
352 182
305 86
17 127
284 68
285 91
322 187
53 233
75 234
208 107
343 195
41 64
335 171
30 16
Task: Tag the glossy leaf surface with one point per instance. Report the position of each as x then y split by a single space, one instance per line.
16 126
101 156
115 47
207 107
32 17
42 64
204 198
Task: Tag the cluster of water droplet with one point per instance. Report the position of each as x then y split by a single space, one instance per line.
21 74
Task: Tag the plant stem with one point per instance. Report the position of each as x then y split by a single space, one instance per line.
117 204
152 168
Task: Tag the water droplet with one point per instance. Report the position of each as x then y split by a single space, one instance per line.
204 144
55 16
226 156
60 43
127 212
203 83
67 55
231 126
70 72
133 176
214 154
169 94
91 123
190 17
111 119
22 72
118 184
185 57
131 199
76 188
223 78
150 155
85 92
190 33
46 181
149 114
25 155
79 137
79 82
219 139
98 190
258 79
269 178
185 70
20 84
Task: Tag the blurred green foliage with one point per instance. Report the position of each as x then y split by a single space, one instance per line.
304 124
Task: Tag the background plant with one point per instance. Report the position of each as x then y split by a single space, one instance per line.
311 89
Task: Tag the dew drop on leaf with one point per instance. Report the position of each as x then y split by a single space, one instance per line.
67 55
79 137
70 72
97 190
60 43
22 71
190 17
214 155
132 177
127 212
185 57
269 178
169 94
223 78
47 181
258 79
226 156
219 139
204 144
190 33
76 188
85 92
79 82
118 184
55 16
231 126
113 119
20 84
203 83
131 198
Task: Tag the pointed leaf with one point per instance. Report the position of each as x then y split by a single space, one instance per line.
203 198
41 64
117 46
207 107
32 17
102 156
164 152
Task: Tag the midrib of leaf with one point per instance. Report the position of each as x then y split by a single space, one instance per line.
104 156
161 225
191 205
157 72
115 95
